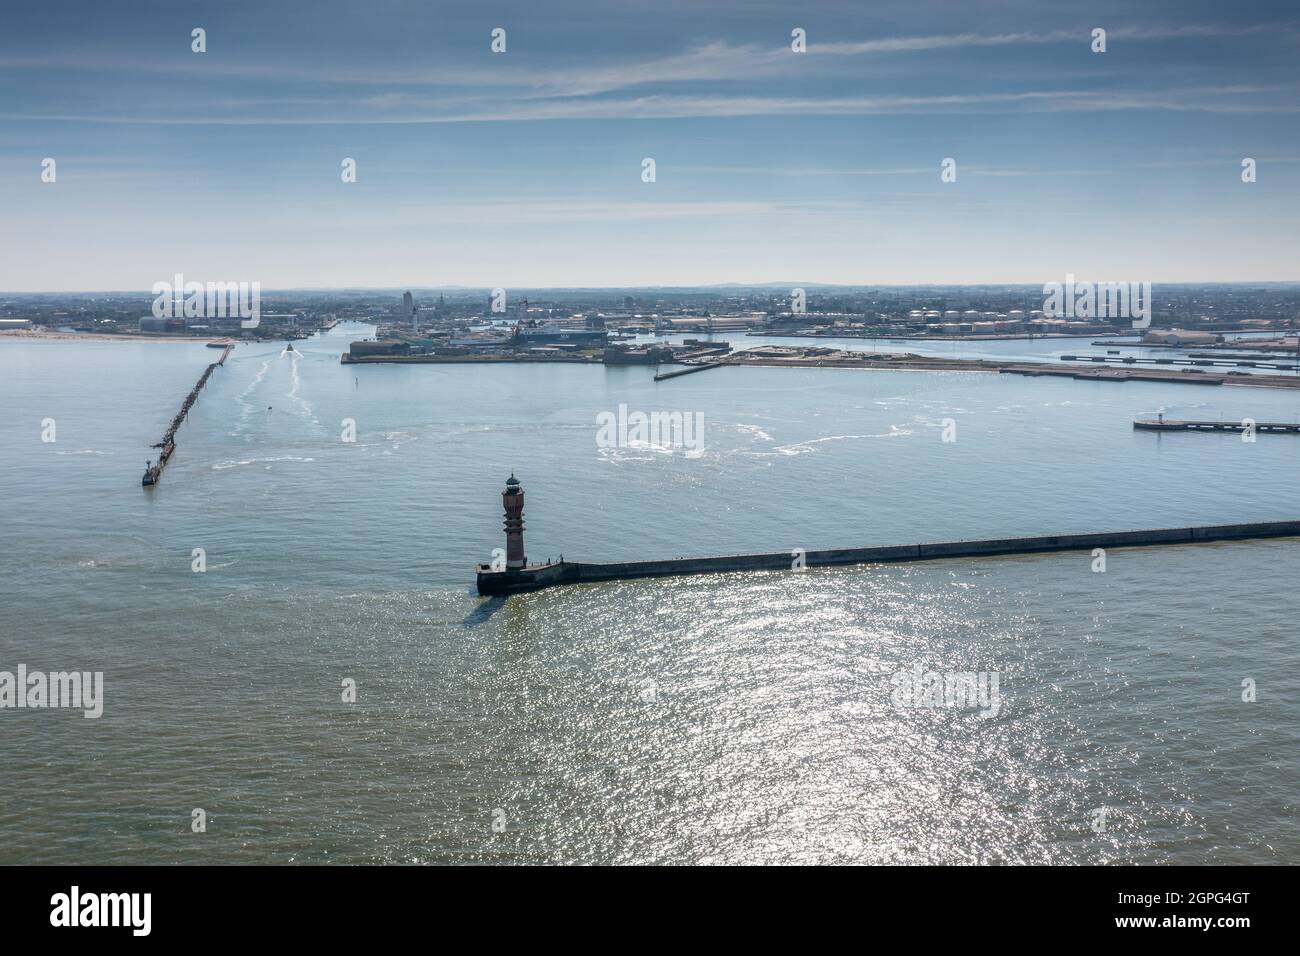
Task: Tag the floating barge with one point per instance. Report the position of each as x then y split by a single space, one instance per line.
515 574
1173 425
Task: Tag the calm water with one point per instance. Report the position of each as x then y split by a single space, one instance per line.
740 718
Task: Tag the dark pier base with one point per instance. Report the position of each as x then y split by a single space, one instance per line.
571 572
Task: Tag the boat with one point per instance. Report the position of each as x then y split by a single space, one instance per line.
151 474
288 346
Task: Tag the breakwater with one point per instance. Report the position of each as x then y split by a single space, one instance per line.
347 358
153 471
1204 362
689 370
1174 425
571 572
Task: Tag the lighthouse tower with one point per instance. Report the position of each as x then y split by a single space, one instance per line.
513 500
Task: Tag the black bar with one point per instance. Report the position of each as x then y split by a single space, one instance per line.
950 906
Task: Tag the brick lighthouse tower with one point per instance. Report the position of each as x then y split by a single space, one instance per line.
518 574
513 500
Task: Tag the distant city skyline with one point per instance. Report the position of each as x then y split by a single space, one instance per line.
524 169
776 288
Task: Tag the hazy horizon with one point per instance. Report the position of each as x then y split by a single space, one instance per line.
655 287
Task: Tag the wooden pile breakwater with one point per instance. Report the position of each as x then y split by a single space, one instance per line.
1174 425
535 577
153 471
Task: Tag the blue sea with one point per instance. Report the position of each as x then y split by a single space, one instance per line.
747 718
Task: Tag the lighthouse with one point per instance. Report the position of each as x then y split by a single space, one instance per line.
513 501
517 574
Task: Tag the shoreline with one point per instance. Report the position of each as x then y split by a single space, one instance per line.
218 338
912 337
795 357
34 335
789 356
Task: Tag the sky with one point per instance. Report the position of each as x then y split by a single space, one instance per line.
525 168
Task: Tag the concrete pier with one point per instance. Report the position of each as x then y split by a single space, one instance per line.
1202 362
535 577
689 370
1174 425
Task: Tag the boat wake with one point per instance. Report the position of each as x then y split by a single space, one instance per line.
807 447
246 407
295 385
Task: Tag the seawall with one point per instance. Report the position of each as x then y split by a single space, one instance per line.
572 572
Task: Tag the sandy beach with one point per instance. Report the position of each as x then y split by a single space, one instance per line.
41 333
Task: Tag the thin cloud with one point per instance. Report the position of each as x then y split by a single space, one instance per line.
400 108
1025 38
714 61
1222 99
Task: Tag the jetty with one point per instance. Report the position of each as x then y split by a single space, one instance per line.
1174 425
516 574
153 470
1225 361
689 370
